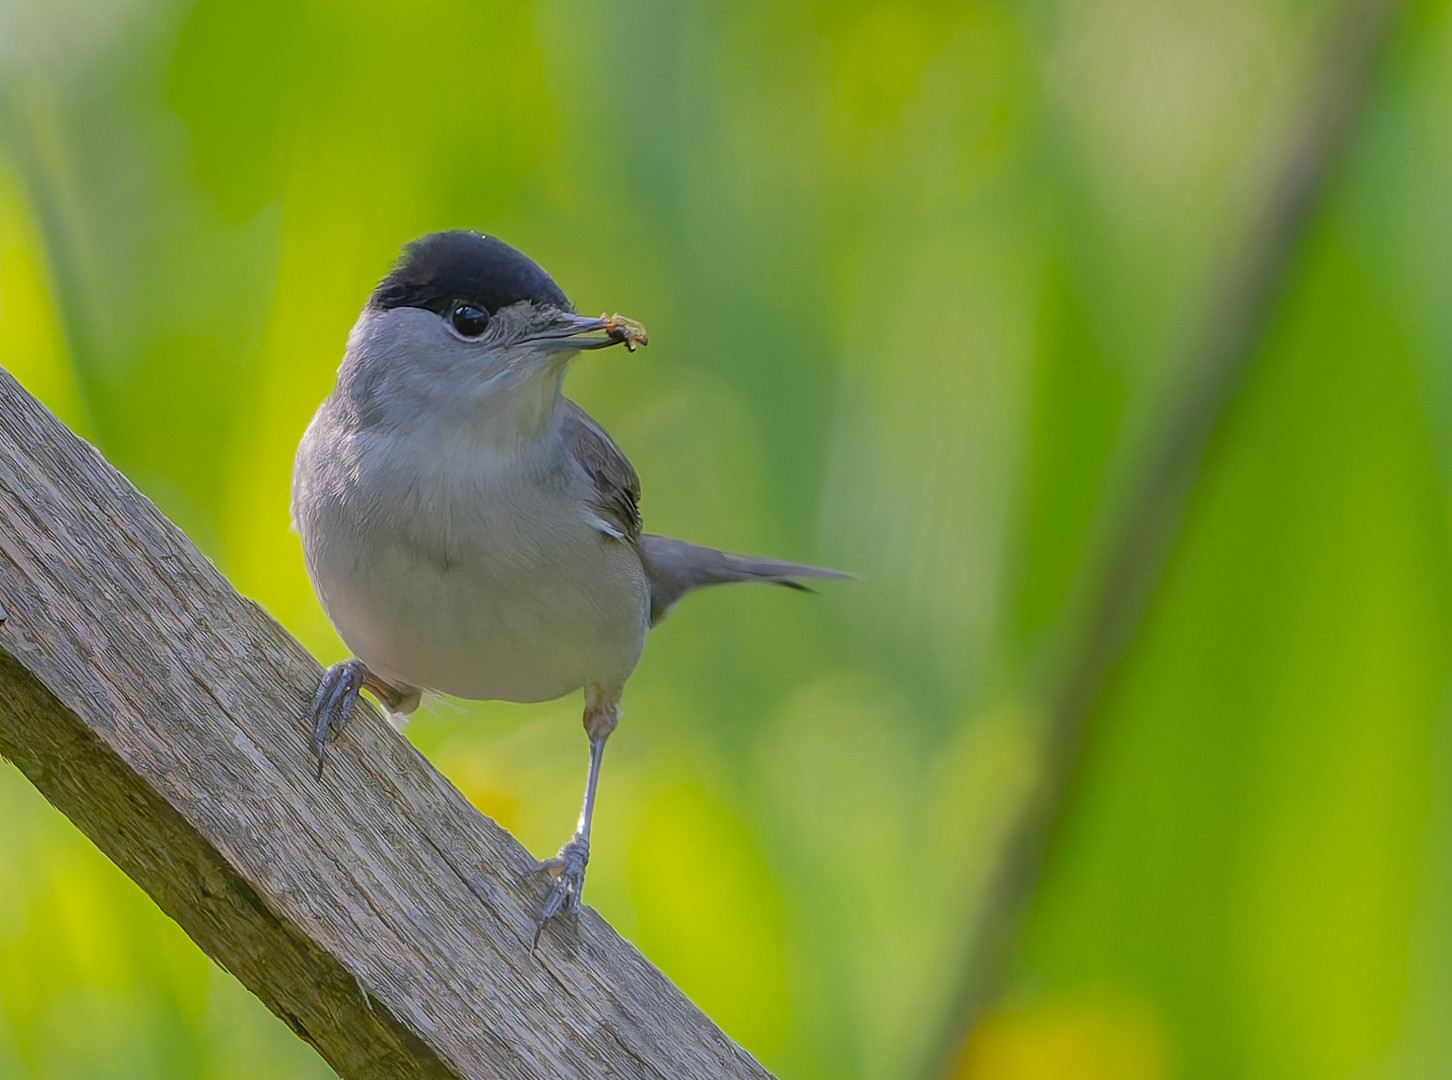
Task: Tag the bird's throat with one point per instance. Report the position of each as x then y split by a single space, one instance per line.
519 412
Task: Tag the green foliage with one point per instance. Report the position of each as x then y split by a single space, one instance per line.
917 275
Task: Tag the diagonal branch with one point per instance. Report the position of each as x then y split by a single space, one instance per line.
383 918
1117 585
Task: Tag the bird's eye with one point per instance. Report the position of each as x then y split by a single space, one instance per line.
469 320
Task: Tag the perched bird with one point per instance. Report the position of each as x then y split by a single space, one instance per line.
468 528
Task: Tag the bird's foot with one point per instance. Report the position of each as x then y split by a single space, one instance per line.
568 870
333 703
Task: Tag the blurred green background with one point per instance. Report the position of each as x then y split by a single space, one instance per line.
917 276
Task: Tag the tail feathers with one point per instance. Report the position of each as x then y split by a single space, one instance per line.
675 567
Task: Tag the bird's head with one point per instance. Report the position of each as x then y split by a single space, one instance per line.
464 320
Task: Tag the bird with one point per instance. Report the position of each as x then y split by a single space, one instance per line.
468 529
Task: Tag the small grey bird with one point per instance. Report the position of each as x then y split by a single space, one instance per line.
469 529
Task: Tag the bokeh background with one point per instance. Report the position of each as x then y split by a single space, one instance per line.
919 278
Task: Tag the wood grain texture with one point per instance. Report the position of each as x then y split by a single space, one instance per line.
376 912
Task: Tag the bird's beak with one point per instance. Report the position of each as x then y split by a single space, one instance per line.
570 331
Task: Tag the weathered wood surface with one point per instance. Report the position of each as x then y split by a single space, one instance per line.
376 912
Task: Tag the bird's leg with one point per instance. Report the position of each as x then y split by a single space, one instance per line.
602 710
338 693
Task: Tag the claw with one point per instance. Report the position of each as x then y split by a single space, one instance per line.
333 703
568 870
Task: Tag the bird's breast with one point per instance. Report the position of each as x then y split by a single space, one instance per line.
468 570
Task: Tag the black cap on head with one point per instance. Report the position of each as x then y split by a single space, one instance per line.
439 268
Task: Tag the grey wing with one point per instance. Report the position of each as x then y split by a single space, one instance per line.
617 488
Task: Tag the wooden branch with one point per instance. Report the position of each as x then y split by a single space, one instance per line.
1116 584
382 917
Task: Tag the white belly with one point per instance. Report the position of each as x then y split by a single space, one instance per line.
469 579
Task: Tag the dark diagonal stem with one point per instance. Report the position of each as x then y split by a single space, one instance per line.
1116 586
